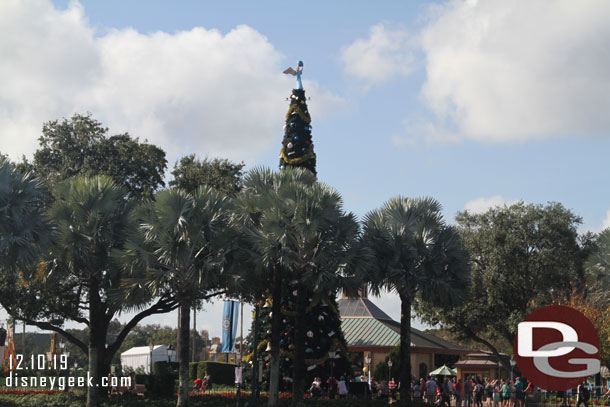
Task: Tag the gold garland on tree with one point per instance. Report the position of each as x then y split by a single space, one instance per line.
295 108
298 160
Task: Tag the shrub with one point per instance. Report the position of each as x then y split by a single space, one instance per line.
193 370
162 382
220 373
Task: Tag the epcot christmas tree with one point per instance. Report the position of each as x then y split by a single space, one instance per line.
325 348
297 147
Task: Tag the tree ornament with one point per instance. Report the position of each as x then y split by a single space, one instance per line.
309 350
291 346
309 334
289 145
295 292
296 138
320 317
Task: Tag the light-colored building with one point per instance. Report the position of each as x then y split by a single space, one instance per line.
483 364
370 332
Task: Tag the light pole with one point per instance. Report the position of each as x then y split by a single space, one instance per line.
331 355
390 363
151 347
368 365
170 353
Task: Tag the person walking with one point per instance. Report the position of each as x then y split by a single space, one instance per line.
417 390
447 391
457 391
430 391
496 393
506 393
392 387
342 387
583 394
478 393
519 393
468 392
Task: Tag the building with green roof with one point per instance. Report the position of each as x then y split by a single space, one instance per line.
370 332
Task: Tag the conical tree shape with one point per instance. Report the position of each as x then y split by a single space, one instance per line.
297 147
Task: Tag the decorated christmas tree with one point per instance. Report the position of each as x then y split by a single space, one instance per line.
325 348
297 147
323 336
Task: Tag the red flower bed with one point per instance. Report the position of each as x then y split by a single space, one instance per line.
23 392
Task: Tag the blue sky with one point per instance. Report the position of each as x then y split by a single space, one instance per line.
472 103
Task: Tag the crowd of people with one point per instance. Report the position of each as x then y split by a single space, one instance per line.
448 391
473 392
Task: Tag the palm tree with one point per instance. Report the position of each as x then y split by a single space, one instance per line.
181 245
296 230
23 230
419 257
91 218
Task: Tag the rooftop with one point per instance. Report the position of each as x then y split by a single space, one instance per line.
364 324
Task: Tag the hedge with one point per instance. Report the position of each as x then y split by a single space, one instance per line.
220 373
72 399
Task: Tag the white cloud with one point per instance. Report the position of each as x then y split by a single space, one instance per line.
195 91
481 205
384 54
501 71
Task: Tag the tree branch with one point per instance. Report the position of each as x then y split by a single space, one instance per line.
490 347
162 306
50 327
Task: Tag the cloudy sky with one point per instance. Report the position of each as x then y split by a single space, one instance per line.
475 103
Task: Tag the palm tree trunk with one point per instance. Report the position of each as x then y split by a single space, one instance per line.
298 375
276 318
405 350
97 340
183 354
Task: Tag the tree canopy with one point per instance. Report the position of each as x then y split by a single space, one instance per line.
190 173
81 146
418 256
520 256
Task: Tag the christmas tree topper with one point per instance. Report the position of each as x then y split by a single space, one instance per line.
298 72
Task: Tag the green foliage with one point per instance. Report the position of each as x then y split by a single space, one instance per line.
223 175
520 255
23 230
142 378
220 373
161 383
201 369
295 230
419 257
417 253
597 265
129 400
80 146
180 249
193 369
297 147
381 370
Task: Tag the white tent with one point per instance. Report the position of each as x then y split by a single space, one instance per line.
140 356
